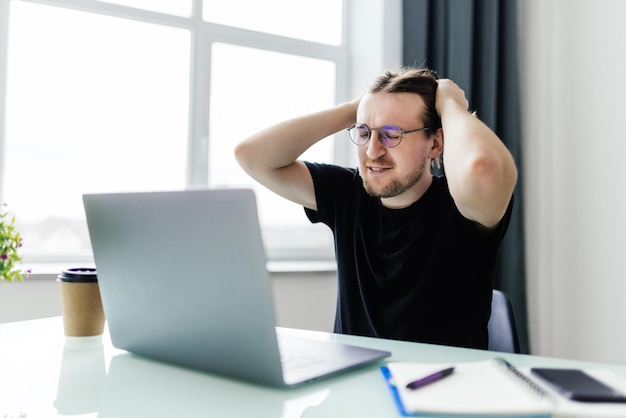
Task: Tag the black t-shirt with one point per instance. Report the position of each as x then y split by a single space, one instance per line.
423 273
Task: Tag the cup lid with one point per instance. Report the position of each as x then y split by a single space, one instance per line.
79 274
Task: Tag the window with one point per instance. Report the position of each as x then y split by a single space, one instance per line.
116 98
316 21
128 95
236 71
103 111
174 7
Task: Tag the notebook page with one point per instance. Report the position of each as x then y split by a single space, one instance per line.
479 388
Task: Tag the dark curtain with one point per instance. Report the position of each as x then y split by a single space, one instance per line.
474 43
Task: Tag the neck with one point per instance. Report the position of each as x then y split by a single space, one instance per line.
410 196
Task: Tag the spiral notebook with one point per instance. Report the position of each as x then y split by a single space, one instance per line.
488 388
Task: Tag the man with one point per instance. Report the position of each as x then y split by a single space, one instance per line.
416 254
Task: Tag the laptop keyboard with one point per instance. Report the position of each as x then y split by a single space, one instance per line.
293 361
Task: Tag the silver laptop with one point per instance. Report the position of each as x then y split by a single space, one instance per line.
183 279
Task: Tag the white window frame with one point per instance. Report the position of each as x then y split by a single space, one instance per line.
371 42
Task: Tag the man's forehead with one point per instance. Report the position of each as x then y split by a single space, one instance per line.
381 105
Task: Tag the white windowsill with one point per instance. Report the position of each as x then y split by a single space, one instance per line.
46 271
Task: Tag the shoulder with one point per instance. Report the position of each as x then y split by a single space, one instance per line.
330 169
439 191
332 176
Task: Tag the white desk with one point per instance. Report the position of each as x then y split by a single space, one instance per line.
44 375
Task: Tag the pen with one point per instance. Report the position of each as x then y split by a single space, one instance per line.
430 378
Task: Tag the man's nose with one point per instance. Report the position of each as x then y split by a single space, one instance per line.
375 148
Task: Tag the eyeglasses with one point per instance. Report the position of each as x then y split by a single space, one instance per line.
389 135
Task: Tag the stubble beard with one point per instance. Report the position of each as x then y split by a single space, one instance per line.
397 186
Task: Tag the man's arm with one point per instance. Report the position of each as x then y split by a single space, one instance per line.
271 156
480 169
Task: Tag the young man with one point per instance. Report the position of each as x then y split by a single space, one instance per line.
416 254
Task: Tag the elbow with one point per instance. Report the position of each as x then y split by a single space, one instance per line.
482 185
499 171
243 155
483 166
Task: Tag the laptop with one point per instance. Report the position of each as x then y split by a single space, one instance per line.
183 279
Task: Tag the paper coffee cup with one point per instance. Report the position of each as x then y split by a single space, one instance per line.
80 302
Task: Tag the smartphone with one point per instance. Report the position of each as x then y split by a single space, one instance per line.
578 385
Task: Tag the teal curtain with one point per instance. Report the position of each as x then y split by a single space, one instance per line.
474 43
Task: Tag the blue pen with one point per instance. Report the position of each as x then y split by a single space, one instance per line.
430 378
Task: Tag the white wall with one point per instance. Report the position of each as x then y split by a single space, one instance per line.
36 297
301 300
573 90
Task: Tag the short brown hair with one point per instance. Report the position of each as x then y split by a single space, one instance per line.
421 81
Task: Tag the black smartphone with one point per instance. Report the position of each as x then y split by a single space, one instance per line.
578 385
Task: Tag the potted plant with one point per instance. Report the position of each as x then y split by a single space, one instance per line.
10 243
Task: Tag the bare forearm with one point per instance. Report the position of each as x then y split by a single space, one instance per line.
280 145
270 156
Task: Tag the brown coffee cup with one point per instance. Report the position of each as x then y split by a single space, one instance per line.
80 302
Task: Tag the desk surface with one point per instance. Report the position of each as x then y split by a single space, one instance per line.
43 374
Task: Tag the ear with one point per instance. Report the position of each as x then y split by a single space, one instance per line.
436 148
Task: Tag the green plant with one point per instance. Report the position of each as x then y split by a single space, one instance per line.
10 243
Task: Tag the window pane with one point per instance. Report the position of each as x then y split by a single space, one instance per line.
172 7
250 90
316 21
103 111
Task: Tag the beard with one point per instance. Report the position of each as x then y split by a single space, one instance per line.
397 186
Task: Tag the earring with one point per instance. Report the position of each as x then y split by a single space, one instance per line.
437 161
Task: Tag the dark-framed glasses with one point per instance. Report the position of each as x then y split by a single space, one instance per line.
389 135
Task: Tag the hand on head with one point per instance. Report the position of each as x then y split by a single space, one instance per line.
448 91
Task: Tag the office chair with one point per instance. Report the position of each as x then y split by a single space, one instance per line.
502 329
